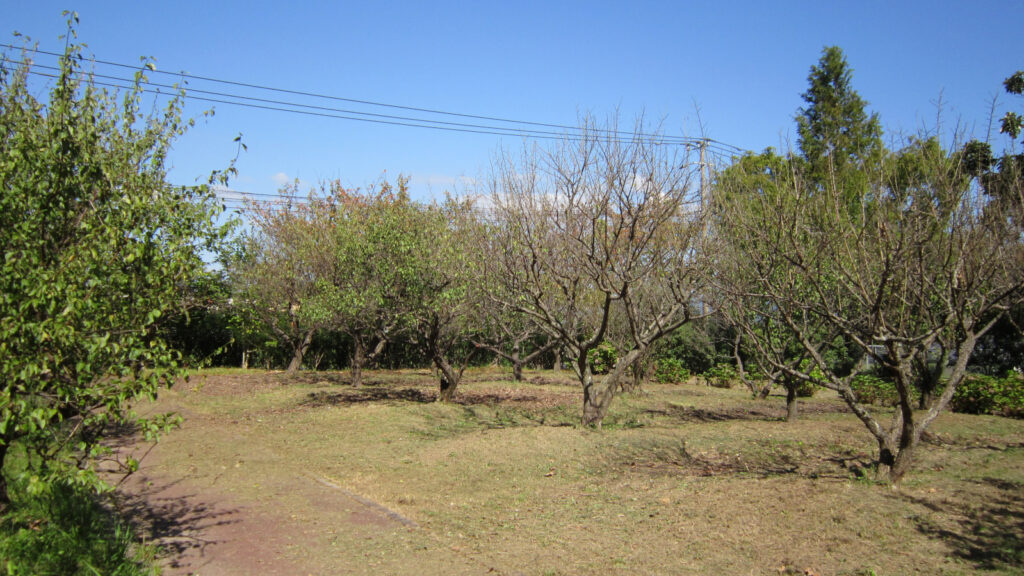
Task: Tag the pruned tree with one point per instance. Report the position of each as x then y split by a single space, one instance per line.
373 270
281 265
598 227
444 293
920 265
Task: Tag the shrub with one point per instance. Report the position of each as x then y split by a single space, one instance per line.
603 358
871 389
721 375
982 394
671 371
64 530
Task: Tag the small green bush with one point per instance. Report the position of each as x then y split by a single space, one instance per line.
603 358
65 531
721 375
671 371
982 394
871 389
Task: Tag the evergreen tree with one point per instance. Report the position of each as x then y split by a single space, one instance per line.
837 136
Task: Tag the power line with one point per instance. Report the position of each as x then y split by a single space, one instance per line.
720 147
413 123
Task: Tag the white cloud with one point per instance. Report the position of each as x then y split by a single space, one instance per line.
281 179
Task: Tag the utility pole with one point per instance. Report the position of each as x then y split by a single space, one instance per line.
703 164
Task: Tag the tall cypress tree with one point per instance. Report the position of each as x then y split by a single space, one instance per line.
837 137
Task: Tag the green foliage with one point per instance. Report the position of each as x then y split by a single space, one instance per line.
1000 177
805 388
96 247
983 394
63 531
836 134
691 346
721 375
603 358
873 389
670 370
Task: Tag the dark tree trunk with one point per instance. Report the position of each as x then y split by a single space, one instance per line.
300 352
791 403
517 364
449 380
358 359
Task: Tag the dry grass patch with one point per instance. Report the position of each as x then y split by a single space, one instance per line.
682 479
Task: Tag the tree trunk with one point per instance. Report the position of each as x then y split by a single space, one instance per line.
245 359
300 352
791 403
886 459
358 358
449 380
558 360
597 396
517 364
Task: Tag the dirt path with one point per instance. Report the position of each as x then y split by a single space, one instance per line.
204 525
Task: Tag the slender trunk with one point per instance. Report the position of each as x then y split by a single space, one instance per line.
245 359
300 352
517 364
766 390
791 403
558 360
358 358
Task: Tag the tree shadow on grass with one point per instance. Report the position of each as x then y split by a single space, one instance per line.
704 415
763 411
990 533
508 398
173 518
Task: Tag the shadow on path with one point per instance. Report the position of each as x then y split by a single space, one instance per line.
174 518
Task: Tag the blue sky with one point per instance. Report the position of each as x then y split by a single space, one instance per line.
737 68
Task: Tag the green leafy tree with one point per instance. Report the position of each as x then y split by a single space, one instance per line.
97 247
445 293
366 291
280 268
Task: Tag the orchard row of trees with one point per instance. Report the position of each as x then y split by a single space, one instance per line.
815 263
824 263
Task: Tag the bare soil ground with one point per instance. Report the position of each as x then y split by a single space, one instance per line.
307 475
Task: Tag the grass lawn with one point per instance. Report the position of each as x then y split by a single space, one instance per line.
682 479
